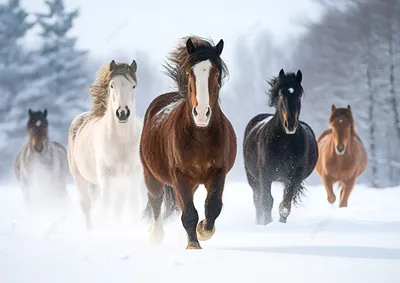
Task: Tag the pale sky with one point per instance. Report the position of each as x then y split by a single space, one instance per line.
108 28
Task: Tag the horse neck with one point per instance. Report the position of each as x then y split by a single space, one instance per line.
123 132
45 143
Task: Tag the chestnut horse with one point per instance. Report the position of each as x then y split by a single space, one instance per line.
188 141
343 157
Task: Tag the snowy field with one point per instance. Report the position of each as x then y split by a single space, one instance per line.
320 243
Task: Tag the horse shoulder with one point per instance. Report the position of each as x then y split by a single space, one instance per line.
324 134
17 161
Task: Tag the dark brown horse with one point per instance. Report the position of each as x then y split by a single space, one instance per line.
188 141
342 156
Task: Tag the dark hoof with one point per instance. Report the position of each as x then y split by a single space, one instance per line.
202 233
282 219
193 246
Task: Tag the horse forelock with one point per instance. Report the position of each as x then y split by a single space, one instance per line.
341 113
180 61
276 84
98 91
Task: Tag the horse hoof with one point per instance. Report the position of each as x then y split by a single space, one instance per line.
331 199
193 246
202 233
343 205
282 219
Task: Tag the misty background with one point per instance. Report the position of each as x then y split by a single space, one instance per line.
348 51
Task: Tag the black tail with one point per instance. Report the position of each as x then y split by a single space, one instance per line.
171 207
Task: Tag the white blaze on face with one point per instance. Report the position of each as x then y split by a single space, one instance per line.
202 112
38 123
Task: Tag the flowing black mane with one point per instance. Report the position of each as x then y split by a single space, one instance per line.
181 61
277 83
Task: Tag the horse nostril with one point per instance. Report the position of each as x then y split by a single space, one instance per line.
340 147
286 124
208 113
195 111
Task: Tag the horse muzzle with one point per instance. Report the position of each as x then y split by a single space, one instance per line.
123 114
340 149
201 116
290 128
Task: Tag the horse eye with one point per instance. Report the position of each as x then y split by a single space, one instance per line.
134 87
111 86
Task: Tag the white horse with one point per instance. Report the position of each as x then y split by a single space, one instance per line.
103 144
41 165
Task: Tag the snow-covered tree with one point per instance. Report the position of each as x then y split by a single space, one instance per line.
15 79
63 76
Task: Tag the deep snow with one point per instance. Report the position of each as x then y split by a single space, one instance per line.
320 243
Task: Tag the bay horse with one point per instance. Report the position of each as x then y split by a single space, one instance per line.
343 157
41 165
103 144
279 147
188 141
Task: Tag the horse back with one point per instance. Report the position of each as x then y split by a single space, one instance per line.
254 121
159 106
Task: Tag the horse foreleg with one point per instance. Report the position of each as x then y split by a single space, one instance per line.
346 191
184 192
213 205
85 202
285 206
328 184
105 194
266 199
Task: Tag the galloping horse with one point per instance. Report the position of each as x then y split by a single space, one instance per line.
343 157
103 144
279 148
188 141
41 165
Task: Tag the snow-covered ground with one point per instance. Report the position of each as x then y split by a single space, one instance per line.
320 243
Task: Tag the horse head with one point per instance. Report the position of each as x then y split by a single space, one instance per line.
37 127
121 89
342 123
285 95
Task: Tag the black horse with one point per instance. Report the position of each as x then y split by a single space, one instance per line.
279 148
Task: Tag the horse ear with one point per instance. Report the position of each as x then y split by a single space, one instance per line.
113 65
281 73
299 76
333 108
45 112
220 47
190 46
348 107
30 112
133 66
